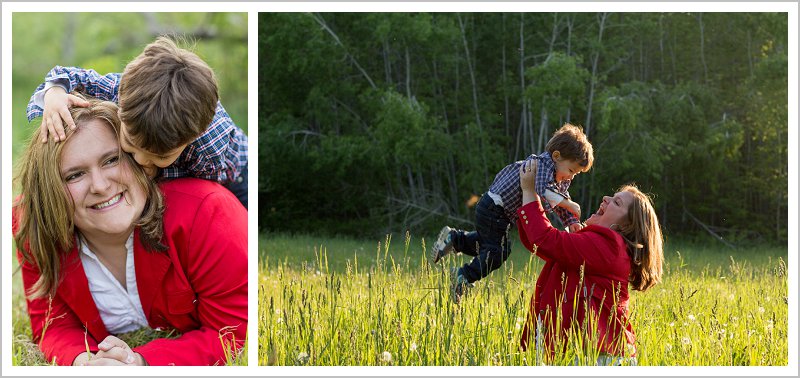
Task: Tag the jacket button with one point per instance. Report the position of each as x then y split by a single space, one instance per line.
522 212
526 222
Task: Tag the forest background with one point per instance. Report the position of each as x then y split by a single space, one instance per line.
371 123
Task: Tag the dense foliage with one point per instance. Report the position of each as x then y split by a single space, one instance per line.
376 122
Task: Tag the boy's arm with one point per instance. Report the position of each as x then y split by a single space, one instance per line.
566 217
571 206
553 198
69 78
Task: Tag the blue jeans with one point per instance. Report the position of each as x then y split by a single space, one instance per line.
488 243
239 187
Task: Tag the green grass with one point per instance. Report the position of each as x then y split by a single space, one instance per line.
26 353
339 301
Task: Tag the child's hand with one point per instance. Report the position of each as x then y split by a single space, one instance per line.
575 227
56 108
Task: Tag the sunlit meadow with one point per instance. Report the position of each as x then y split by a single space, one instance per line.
337 301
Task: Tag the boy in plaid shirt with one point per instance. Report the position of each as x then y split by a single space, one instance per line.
172 121
567 153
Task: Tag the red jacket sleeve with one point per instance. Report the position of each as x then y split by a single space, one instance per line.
594 247
55 327
216 266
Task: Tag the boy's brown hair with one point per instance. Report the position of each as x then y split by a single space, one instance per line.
572 144
167 97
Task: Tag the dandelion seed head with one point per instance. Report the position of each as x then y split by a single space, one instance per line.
691 317
761 310
302 357
413 347
386 356
672 324
686 341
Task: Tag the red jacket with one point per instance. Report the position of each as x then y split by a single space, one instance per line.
197 287
606 266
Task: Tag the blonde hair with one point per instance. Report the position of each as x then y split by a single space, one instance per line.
642 232
45 210
167 96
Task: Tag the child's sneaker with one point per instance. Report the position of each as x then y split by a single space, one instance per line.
458 285
443 245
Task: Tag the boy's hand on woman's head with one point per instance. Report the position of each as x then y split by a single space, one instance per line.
56 113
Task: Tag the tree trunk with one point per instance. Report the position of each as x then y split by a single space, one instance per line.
592 80
702 47
570 26
321 21
474 98
750 52
542 130
672 55
524 111
505 87
408 74
387 64
661 42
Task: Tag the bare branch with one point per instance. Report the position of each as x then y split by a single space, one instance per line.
318 18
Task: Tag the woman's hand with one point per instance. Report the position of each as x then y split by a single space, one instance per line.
114 351
527 181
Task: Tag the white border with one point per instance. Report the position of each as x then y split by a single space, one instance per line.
253 9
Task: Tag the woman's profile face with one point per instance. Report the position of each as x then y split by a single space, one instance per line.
613 210
104 191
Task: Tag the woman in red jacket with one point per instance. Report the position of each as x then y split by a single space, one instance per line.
582 290
107 251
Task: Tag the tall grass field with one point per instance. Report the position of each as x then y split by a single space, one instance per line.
340 302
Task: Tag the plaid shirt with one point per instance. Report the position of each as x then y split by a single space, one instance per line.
219 154
506 185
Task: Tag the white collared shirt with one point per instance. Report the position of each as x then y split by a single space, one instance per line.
120 309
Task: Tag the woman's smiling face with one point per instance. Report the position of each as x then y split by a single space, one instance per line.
613 210
106 196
